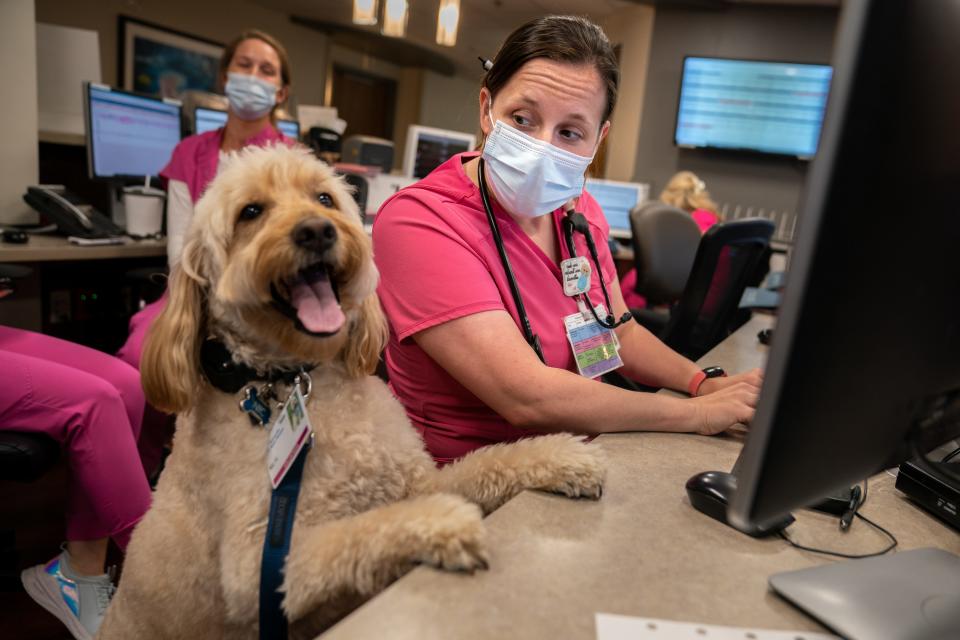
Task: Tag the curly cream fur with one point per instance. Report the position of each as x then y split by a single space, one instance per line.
372 502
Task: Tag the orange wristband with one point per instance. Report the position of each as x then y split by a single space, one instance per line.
694 385
710 372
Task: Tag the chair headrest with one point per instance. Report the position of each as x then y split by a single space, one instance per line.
665 241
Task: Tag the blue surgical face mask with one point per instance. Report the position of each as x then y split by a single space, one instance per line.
250 97
531 178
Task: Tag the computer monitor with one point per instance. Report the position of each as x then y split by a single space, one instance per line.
289 128
866 352
427 148
128 134
617 199
207 119
751 105
864 367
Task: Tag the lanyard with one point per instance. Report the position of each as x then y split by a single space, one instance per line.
572 222
276 546
577 222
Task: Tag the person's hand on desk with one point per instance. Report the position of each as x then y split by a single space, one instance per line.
721 409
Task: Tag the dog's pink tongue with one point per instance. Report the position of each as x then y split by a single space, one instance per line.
317 307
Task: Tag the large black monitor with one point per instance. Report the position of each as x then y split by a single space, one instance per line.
864 368
128 135
865 358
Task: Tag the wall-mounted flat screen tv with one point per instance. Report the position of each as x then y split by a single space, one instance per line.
767 107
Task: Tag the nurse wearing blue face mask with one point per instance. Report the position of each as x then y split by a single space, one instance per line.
255 75
501 314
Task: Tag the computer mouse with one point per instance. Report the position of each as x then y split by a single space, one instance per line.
711 491
765 336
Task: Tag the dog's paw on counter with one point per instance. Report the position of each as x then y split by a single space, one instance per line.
577 468
449 533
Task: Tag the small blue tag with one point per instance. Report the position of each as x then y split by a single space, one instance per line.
253 406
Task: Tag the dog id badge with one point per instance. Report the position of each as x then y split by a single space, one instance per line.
595 348
576 275
288 435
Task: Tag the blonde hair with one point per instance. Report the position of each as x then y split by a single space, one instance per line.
286 75
686 191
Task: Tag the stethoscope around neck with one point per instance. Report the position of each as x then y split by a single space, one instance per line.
573 222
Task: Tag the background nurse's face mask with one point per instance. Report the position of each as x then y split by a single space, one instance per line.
250 97
531 178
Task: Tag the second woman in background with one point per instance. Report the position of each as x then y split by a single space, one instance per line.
688 192
684 191
255 75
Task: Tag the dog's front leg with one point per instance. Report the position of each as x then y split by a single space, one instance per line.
559 463
361 554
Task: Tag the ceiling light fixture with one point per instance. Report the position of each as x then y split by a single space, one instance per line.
395 18
448 18
365 11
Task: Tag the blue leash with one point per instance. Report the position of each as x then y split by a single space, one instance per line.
276 545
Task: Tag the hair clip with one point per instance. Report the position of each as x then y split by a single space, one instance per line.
487 64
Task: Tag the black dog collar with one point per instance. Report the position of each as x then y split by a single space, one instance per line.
225 374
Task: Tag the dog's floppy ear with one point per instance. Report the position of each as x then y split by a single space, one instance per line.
367 338
170 366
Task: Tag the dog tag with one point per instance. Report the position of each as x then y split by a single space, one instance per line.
256 407
287 436
576 275
595 348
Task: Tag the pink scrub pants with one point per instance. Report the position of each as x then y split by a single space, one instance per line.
92 404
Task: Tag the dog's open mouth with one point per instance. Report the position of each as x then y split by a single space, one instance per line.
311 301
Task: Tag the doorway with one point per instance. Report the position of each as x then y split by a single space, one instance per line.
367 102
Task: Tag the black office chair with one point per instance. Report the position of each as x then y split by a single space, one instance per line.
665 241
728 257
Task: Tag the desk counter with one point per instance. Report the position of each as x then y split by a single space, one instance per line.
57 248
641 550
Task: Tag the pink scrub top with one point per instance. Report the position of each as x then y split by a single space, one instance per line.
438 262
195 159
704 219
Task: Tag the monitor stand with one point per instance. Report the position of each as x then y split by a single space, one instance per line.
911 595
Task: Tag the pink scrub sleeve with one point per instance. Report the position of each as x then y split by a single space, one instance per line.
429 272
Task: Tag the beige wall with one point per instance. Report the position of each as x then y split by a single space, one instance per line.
632 29
450 102
18 153
218 20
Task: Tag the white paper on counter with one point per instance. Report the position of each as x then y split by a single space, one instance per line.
616 627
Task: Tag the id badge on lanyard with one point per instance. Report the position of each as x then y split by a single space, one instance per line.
288 436
595 349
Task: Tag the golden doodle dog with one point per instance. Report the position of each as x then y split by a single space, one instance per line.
277 267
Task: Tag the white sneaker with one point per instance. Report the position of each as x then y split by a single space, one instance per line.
79 602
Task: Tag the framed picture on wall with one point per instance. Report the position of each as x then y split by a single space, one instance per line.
163 62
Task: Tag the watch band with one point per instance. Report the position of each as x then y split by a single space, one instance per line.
693 387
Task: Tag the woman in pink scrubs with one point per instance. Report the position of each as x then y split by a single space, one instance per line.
459 358
255 74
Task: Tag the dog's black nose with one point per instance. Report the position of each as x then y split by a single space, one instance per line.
315 235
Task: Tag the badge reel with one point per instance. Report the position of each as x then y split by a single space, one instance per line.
595 348
292 429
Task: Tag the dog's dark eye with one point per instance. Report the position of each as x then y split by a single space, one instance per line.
251 211
325 199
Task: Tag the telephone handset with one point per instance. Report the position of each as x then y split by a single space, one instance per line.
72 217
